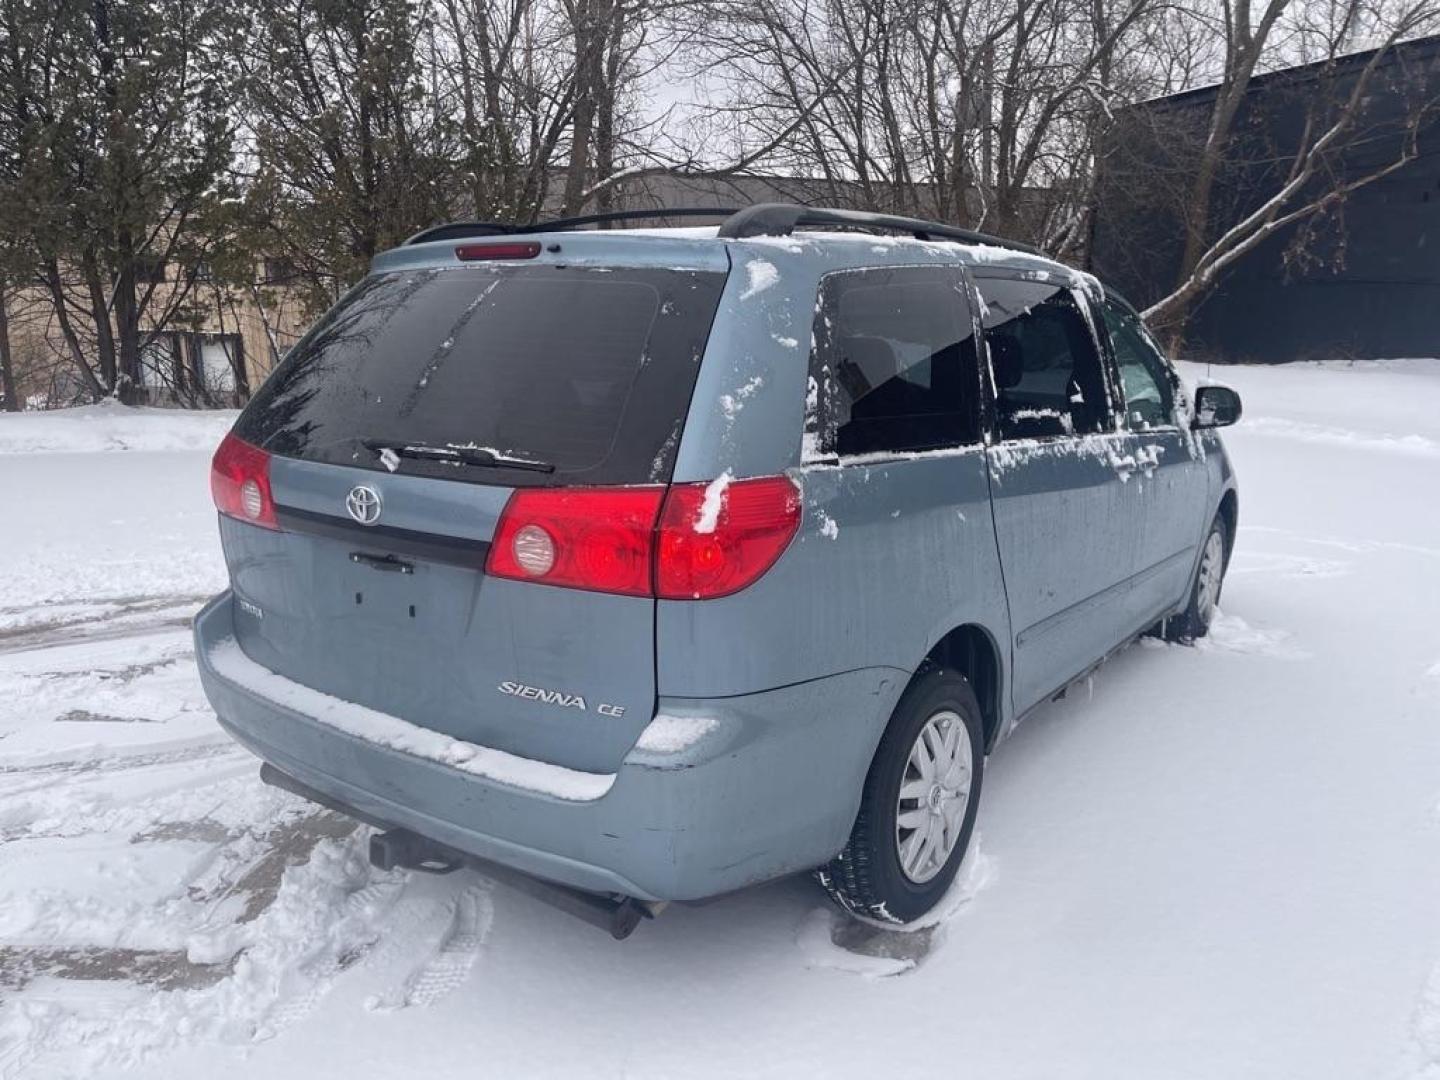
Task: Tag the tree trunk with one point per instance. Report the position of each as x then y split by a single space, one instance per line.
608 91
7 368
1243 48
100 316
127 325
1202 192
591 27
67 329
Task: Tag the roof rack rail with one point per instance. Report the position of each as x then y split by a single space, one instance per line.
456 230
782 219
762 219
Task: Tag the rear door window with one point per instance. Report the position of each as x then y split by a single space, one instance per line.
1049 379
513 375
894 363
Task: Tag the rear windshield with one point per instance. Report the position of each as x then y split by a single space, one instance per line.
515 375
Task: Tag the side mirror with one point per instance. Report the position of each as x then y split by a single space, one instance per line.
1216 406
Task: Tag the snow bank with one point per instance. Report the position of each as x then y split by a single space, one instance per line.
326 913
131 532
111 426
1417 445
383 729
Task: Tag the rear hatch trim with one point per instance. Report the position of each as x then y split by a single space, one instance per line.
431 547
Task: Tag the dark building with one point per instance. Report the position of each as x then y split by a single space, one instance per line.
1360 279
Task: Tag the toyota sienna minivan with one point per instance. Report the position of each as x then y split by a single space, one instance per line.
645 565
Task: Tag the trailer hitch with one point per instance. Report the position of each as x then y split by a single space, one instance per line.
401 849
398 849
617 915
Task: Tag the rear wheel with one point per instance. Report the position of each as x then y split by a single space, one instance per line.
1194 621
919 804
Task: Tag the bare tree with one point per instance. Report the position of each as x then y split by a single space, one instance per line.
980 111
115 130
342 158
1317 172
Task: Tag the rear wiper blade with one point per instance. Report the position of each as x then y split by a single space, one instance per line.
482 456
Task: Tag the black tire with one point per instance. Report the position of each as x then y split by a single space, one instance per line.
1194 622
866 878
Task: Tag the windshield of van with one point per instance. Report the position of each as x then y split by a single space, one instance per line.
516 375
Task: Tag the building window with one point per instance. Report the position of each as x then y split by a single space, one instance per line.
215 360
159 362
149 270
280 270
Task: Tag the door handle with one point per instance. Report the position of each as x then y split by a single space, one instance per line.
382 562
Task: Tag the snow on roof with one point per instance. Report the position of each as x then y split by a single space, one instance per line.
677 232
881 243
803 238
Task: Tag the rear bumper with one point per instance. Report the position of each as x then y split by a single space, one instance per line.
771 788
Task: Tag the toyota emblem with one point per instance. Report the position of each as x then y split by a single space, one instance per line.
364 504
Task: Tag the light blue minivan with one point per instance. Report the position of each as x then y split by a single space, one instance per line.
643 565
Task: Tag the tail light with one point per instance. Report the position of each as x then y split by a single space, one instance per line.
704 554
687 542
581 538
240 482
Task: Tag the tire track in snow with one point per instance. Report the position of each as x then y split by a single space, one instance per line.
1344 438
131 616
471 914
256 978
42 775
316 974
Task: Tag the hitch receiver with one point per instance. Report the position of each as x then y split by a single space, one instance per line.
401 849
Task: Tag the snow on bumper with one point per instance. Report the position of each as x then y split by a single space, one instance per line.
761 785
229 662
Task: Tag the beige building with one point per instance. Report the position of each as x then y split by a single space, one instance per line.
218 344
230 339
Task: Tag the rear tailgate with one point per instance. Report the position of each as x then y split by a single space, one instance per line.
426 398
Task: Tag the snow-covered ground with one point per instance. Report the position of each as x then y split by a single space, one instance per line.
1218 862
